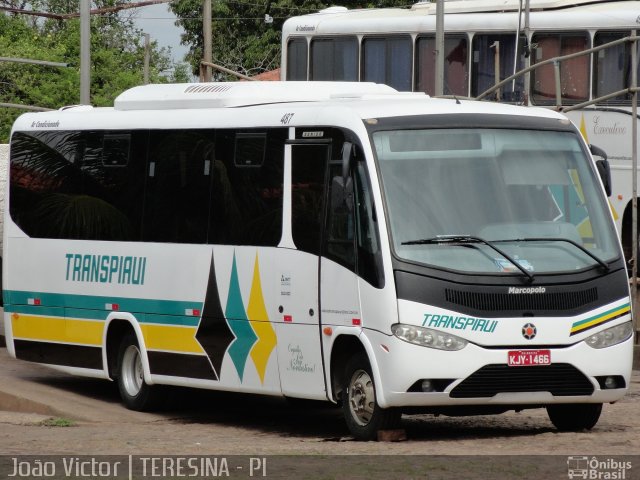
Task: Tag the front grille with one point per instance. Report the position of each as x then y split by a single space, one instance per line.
561 379
506 301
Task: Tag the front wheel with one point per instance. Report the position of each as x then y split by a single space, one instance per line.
574 417
362 413
135 393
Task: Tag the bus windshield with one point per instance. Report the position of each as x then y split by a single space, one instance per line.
454 195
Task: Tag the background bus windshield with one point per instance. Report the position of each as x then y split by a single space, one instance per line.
497 185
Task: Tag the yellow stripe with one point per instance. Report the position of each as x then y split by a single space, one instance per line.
166 337
601 319
56 329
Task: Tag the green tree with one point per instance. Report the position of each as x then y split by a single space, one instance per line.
117 58
242 40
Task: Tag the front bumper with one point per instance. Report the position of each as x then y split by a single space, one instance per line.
400 365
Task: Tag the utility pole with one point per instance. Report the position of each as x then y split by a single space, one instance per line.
207 38
85 52
147 54
439 84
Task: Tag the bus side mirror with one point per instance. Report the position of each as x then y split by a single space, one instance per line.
604 170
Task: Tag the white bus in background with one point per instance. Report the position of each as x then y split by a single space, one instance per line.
389 252
4 159
397 47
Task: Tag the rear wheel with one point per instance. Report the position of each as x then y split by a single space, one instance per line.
135 393
574 417
362 413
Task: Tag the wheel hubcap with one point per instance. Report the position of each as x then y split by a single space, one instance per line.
132 373
362 397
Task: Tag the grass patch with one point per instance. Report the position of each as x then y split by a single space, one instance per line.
57 422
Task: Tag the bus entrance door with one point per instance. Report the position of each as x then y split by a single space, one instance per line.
299 349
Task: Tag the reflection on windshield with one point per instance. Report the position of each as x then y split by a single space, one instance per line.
496 185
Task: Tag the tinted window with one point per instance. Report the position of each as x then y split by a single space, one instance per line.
247 197
456 71
483 74
388 60
308 167
339 235
612 67
297 59
574 73
369 254
178 186
63 187
334 59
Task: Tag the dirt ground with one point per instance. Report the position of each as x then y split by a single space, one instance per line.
305 438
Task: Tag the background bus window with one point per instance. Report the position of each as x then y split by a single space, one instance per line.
387 60
178 186
246 200
456 70
483 67
297 59
574 73
612 68
334 59
62 185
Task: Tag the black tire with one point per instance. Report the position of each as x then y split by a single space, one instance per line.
572 417
363 415
134 392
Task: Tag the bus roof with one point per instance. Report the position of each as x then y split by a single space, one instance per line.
469 6
240 94
261 104
463 16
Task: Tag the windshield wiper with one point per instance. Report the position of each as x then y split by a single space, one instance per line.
469 239
559 239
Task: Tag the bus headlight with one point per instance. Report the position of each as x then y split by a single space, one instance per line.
427 337
611 336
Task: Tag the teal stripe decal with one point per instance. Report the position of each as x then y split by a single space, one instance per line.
604 314
19 299
33 310
172 320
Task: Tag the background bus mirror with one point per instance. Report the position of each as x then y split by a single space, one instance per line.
347 153
604 170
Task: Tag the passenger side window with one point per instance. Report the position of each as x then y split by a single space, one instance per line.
612 68
246 195
334 59
388 60
297 59
84 185
574 73
178 186
489 50
456 68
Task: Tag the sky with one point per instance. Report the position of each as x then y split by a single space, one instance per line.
158 21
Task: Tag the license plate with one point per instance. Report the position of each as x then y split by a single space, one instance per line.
523 358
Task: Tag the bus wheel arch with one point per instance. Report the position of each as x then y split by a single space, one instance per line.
117 329
344 347
354 387
129 367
